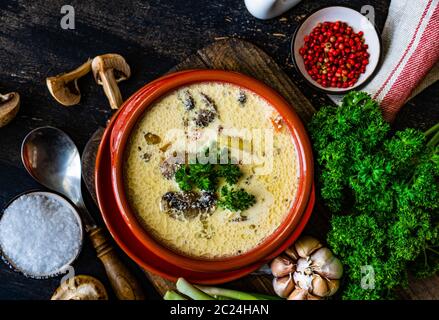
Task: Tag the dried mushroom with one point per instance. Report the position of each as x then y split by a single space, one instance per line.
108 70
307 271
64 87
81 288
9 106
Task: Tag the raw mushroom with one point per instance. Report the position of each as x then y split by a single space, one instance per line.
9 106
81 288
108 70
306 271
64 87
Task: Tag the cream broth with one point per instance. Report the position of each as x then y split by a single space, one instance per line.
189 120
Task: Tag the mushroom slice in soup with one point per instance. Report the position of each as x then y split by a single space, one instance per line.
170 165
207 114
204 117
187 100
187 205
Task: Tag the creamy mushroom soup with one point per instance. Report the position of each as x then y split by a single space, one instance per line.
211 170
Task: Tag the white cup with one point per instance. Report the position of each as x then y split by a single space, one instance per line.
267 9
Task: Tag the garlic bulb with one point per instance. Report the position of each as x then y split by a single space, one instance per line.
315 271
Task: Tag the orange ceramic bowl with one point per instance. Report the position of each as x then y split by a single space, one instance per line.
138 104
147 259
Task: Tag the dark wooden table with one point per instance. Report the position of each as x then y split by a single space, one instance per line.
153 36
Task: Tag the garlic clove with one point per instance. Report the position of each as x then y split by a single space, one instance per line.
298 294
283 286
319 286
326 264
306 245
292 253
312 297
281 266
301 294
333 286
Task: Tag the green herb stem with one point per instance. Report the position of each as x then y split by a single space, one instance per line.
192 292
261 296
432 130
434 141
172 295
433 250
228 293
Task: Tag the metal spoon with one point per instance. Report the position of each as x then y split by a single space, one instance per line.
51 158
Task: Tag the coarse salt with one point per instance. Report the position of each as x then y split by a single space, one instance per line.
40 234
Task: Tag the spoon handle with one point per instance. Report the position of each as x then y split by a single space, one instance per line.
124 284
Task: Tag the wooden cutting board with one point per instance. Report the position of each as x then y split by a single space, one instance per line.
246 58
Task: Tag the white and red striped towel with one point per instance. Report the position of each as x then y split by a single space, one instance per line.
411 54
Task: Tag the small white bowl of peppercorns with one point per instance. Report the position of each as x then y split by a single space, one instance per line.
336 49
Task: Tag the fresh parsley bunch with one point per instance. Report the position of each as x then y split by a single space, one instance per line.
383 190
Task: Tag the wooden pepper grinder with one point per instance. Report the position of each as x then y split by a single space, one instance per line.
124 284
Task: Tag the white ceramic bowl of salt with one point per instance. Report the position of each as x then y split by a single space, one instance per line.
40 234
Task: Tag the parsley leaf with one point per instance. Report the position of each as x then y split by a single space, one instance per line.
230 172
196 175
236 200
183 179
205 177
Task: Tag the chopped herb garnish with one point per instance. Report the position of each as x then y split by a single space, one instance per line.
236 200
197 175
230 172
183 179
205 178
